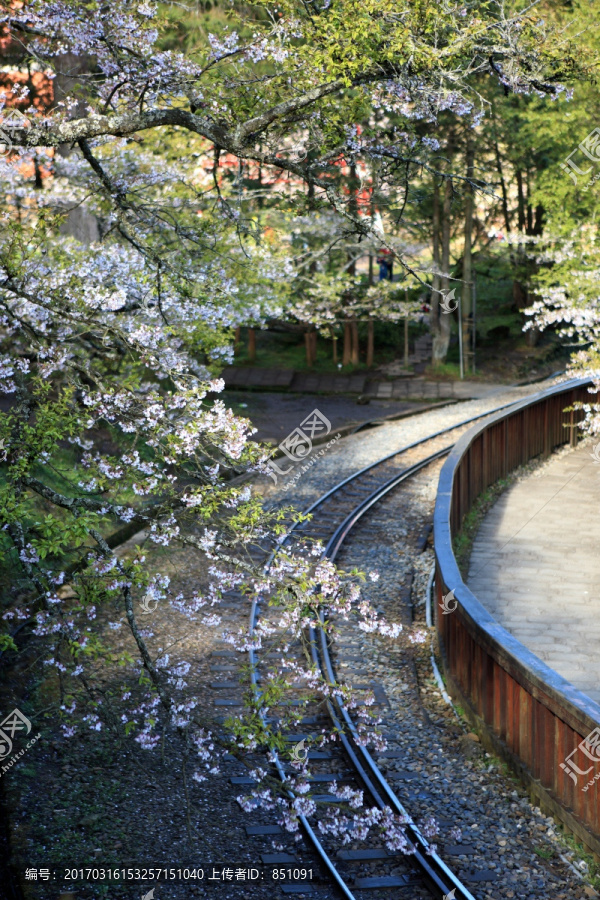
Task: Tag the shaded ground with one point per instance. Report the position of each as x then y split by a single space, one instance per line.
98 801
274 415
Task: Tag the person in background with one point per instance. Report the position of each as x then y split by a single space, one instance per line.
386 265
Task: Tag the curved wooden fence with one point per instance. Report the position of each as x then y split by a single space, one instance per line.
526 713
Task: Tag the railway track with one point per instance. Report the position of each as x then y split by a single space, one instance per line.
335 514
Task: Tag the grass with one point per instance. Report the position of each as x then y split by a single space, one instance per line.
462 543
442 371
593 868
287 351
293 356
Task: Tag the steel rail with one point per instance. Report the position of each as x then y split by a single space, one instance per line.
337 487
436 873
322 853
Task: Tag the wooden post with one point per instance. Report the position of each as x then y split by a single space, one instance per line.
406 341
236 340
335 353
251 345
347 353
355 347
370 343
307 345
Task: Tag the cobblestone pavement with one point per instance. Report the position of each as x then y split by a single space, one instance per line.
535 564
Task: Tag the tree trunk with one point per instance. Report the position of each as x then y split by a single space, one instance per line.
520 299
517 289
251 345
313 346
308 347
353 185
236 340
370 342
434 315
529 206
521 201
441 338
335 353
467 319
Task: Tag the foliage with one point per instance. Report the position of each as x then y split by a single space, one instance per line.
158 145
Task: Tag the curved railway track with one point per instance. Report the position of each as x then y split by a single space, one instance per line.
334 515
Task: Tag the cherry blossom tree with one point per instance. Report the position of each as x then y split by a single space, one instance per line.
110 350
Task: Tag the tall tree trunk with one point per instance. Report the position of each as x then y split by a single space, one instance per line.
434 315
313 346
521 201
370 343
251 345
310 343
533 227
335 353
517 289
467 321
236 340
79 221
353 185
441 338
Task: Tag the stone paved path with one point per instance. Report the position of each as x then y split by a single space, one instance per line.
535 565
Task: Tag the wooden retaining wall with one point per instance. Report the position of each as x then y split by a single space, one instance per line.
524 711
